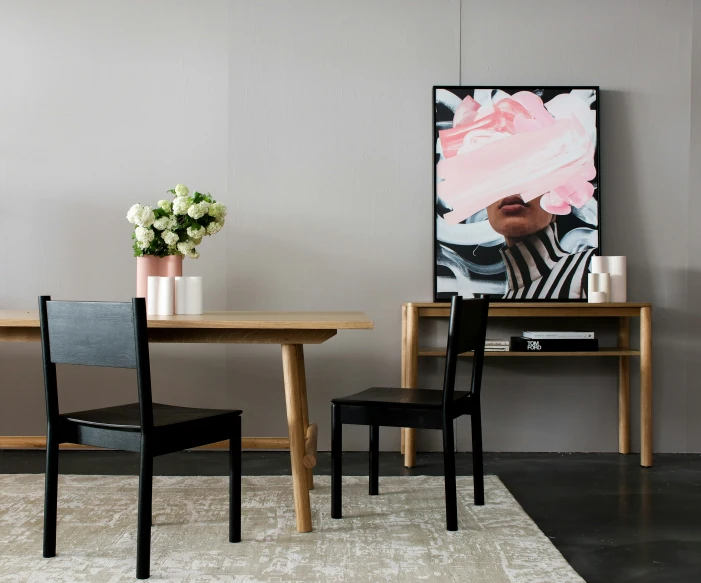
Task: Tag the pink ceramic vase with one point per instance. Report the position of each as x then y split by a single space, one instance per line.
150 265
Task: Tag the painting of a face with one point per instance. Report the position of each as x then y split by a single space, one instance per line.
516 191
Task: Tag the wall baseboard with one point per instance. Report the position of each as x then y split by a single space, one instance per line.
39 442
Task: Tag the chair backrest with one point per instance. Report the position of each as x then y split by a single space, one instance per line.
467 331
95 334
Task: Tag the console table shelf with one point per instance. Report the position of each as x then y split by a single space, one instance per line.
413 312
600 352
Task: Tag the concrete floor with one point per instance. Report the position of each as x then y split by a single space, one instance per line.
614 521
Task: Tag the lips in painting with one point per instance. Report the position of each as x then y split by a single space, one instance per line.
513 206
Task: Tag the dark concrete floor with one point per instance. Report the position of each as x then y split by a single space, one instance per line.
614 521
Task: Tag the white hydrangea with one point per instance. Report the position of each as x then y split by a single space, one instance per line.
181 190
193 254
133 212
141 215
165 223
162 224
143 244
214 227
196 232
197 211
181 205
217 210
186 246
165 205
170 238
144 235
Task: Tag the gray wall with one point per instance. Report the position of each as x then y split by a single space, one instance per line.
311 119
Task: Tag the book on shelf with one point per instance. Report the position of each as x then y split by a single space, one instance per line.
558 335
496 342
488 348
522 344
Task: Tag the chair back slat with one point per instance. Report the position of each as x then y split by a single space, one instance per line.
467 331
92 334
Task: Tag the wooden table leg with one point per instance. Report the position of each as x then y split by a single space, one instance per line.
624 387
646 387
403 384
411 372
295 424
305 408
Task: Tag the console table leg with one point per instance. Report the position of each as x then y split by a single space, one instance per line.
403 384
646 387
411 372
624 387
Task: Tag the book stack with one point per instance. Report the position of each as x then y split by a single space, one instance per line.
555 342
496 345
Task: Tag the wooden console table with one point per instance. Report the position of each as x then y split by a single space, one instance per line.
412 312
289 329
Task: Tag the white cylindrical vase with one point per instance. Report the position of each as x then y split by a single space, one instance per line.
166 296
599 282
615 266
193 296
619 280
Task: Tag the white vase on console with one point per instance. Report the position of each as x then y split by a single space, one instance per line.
616 268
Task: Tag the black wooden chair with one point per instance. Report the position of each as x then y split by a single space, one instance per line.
115 335
422 409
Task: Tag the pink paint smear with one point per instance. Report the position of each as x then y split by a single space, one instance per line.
518 146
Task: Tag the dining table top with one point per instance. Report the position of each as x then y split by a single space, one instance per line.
260 320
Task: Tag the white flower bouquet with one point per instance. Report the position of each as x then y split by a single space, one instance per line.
175 227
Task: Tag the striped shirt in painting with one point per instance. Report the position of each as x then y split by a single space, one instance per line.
538 268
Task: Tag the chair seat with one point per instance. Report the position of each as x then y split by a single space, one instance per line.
395 396
127 417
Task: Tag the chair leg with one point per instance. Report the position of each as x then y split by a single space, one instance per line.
235 484
50 495
477 460
374 460
143 532
451 497
336 462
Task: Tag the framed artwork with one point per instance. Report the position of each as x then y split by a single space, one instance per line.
516 191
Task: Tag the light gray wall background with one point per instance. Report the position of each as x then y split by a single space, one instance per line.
311 119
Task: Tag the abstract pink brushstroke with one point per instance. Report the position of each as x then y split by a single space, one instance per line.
518 146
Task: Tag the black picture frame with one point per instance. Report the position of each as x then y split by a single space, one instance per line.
511 89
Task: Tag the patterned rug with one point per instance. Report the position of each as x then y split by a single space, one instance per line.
397 536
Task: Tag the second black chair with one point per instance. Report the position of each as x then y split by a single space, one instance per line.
422 409
115 335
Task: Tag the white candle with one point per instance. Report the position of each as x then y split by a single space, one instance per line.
193 295
152 295
165 296
180 295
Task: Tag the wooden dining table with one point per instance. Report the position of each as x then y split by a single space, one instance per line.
291 330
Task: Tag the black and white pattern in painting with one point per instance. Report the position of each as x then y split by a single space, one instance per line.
516 191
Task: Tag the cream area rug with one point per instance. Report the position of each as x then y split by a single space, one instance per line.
397 536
